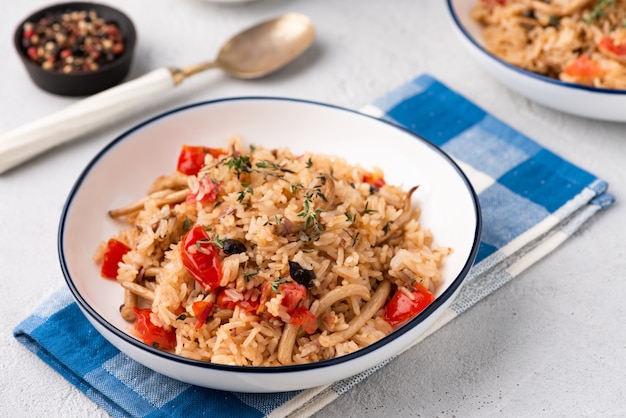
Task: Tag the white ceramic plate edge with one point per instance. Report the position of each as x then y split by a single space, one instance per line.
104 318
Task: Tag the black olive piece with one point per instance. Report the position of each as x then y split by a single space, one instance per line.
529 13
232 246
301 275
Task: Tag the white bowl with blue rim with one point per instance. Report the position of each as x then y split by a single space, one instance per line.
575 99
120 172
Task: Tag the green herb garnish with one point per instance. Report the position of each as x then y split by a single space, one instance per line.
217 241
599 11
366 210
242 194
350 217
202 241
239 164
247 276
276 283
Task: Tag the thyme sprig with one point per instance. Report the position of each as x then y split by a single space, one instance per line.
268 164
217 241
367 210
311 215
247 275
599 10
276 284
241 164
242 194
202 241
213 239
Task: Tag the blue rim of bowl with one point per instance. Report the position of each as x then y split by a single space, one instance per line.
447 294
522 71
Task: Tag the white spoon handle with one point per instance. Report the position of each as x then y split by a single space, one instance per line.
80 118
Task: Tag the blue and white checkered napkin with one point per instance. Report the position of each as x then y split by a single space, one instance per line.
531 201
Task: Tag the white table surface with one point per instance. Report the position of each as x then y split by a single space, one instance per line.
550 343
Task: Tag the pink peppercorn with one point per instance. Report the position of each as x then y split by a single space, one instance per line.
73 41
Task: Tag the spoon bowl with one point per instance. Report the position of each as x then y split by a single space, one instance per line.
266 47
260 49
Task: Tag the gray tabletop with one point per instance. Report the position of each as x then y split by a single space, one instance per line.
550 343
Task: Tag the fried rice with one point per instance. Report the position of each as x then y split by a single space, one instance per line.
356 240
577 41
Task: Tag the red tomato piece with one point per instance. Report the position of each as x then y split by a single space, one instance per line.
375 180
584 68
216 152
191 158
303 316
223 301
201 311
607 44
294 294
201 259
266 294
248 305
113 254
401 307
151 334
207 192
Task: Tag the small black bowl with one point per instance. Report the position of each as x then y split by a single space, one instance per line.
84 82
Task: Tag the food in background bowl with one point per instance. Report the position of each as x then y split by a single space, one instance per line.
575 98
258 257
580 42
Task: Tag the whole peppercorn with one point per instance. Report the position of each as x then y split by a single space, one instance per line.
72 41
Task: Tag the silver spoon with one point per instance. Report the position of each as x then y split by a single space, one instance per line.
253 53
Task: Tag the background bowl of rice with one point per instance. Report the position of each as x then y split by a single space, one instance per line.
580 100
123 169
